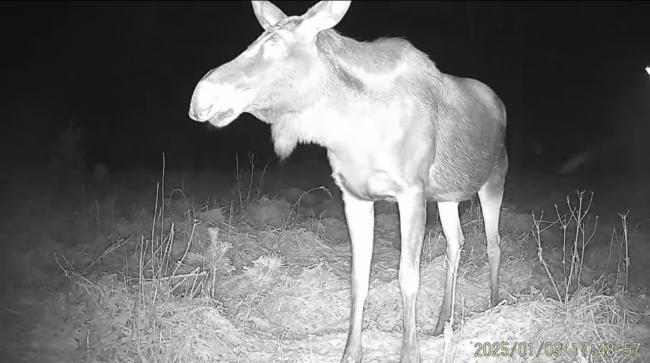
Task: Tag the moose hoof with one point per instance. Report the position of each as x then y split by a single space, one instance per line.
351 357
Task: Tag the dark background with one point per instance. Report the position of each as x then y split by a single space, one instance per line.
570 73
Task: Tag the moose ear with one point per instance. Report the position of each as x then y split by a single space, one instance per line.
325 15
267 14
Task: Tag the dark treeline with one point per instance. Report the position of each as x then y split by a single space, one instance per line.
570 73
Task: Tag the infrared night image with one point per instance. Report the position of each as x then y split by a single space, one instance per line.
325 181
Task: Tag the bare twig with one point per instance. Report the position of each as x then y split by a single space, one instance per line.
538 238
114 246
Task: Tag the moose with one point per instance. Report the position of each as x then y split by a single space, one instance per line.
395 128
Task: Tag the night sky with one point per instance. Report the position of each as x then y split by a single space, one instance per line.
570 73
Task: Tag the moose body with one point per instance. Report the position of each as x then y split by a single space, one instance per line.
394 126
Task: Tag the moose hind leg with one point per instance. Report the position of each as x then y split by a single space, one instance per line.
491 195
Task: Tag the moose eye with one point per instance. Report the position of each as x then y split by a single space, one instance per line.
274 48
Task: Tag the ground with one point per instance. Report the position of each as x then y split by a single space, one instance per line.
254 266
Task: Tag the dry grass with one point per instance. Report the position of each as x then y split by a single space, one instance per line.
247 282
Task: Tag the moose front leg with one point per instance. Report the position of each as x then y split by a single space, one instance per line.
412 211
361 224
450 221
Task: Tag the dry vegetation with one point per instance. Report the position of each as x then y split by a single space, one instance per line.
262 275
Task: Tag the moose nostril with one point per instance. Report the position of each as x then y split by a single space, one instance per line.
205 112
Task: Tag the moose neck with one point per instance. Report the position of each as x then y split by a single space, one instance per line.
317 112
349 78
